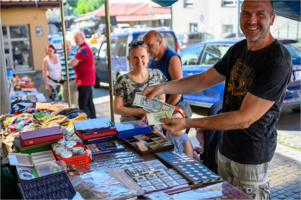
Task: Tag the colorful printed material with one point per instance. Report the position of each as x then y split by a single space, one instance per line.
153 106
155 118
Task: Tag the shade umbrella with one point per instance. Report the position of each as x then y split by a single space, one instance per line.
5 106
288 9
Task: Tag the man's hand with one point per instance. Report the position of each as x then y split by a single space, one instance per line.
175 124
152 91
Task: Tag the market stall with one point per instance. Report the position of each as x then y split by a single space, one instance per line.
58 153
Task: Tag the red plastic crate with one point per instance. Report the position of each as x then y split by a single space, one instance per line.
76 160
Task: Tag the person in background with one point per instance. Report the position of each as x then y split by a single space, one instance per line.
135 81
164 59
93 40
52 72
83 64
72 79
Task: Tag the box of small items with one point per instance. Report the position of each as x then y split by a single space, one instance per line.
149 143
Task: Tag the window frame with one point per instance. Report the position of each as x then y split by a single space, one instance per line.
188 4
205 48
10 54
199 56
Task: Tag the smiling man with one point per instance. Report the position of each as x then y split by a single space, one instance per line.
256 72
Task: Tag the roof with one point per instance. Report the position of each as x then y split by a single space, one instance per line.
129 12
29 3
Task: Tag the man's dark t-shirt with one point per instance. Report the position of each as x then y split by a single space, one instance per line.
264 73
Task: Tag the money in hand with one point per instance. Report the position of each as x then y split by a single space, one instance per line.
154 105
154 118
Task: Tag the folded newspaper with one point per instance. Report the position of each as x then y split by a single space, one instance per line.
154 118
153 106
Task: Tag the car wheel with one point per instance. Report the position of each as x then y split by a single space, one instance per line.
97 81
296 110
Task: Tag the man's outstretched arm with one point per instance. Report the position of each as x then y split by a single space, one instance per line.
187 85
251 110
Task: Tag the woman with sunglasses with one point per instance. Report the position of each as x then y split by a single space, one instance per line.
135 81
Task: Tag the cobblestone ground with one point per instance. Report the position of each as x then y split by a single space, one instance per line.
284 174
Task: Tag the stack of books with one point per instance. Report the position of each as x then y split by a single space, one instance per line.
95 130
37 140
131 128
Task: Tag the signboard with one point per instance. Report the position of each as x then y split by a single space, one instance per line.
39 31
162 20
202 18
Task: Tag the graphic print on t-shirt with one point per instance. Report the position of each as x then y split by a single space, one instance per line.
241 79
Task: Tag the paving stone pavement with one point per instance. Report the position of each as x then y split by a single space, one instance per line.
284 174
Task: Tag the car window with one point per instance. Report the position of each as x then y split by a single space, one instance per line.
169 40
295 50
121 46
191 56
213 53
103 49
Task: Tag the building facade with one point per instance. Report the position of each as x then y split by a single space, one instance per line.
212 16
25 36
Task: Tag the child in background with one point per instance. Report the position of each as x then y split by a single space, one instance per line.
200 136
180 140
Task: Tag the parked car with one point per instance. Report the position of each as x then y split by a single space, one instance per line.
187 39
56 40
200 57
88 30
139 26
119 51
119 28
102 28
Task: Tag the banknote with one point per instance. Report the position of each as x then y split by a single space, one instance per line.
153 104
167 108
154 118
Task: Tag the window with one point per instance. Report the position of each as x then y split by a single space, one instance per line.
191 56
193 27
214 53
188 3
121 46
17 47
228 28
103 49
230 3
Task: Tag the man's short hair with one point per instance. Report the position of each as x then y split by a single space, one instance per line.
81 34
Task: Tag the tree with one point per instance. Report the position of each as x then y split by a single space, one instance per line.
84 6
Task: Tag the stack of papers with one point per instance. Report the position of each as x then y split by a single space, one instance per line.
157 109
131 128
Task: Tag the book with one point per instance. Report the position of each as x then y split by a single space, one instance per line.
40 136
19 146
91 125
107 146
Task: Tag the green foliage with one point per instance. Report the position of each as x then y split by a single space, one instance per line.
299 39
72 3
84 6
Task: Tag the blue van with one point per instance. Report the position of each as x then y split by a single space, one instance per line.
119 49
